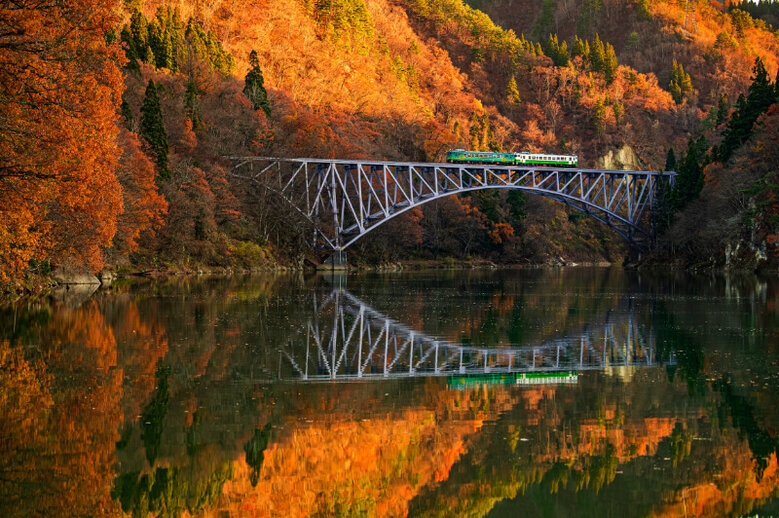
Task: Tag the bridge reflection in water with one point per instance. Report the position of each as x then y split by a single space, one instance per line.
346 339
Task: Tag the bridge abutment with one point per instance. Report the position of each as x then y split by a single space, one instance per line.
336 262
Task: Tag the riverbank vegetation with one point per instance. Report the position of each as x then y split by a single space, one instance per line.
116 125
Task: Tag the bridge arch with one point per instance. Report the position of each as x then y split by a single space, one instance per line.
618 224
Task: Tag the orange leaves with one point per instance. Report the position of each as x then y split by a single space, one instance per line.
60 84
501 232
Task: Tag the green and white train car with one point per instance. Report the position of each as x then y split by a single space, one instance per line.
462 156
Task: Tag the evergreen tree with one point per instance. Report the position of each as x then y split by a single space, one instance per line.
680 84
634 41
516 205
512 92
610 64
599 117
130 49
702 147
670 160
597 55
662 207
619 111
153 131
156 43
546 20
127 113
578 49
663 203
161 42
762 94
148 56
192 103
140 30
723 108
475 132
689 181
643 11
254 85
556 51
169 61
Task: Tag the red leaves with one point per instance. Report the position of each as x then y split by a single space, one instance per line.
143 206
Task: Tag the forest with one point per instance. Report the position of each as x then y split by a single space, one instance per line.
115 124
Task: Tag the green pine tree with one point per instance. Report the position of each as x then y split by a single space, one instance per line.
127 114
545 20
599 117
643 11
140 31
680 84
723 108
610 64
148 56
619 111
556 51
662 206
130 50
670 160
578 48
152 129
689 181
476 132
512 92
597 55
192 103
762 94
254 85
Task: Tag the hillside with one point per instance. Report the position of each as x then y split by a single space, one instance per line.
616 82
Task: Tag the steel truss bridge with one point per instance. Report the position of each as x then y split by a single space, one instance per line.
346 199
346 339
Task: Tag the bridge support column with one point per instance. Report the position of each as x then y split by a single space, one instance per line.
337 261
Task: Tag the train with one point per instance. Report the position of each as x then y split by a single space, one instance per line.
462 156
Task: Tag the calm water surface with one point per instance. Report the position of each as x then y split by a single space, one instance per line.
574 392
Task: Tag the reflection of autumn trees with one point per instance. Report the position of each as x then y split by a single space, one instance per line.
24 404
542 457
66 453
189 429
361 458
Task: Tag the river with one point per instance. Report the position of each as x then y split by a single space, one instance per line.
538 392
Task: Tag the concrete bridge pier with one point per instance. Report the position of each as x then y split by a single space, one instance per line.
336 262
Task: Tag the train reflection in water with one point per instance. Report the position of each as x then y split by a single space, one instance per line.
346 339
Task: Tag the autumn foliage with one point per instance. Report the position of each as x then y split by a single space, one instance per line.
403 80
60 85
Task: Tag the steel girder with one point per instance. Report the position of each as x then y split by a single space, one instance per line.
346 199
346 339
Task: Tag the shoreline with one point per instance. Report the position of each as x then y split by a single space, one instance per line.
40 287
